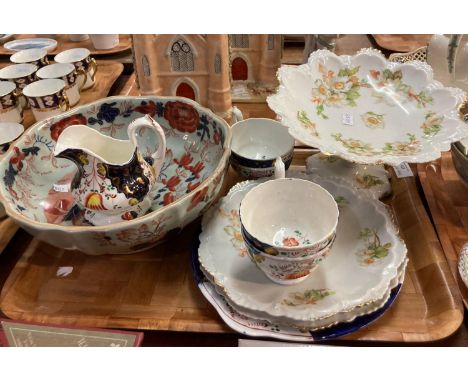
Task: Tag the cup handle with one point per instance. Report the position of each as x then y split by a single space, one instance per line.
64 103
22 100
236 115
94 68
148 122
81 72
280 168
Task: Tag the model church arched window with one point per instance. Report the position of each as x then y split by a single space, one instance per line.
239 40
271 42
217 64
181 57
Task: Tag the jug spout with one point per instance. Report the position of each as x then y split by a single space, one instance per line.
82 139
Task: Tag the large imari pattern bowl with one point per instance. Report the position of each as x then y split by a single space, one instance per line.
367 109
35 187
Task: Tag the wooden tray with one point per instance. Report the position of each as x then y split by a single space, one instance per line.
107 74
448 202
401 42
64 43
155 290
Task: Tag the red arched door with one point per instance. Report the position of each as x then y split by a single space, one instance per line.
185 90
240 71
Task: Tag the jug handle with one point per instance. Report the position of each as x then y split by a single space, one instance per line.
148 122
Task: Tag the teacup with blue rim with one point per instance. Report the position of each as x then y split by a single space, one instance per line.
256 143
47 98
10 108
35 56
81 58
21 75
288 218
70 75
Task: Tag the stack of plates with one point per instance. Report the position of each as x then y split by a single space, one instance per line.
354 286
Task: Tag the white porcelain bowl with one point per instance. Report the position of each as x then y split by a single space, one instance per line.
369 110
256 143
289 217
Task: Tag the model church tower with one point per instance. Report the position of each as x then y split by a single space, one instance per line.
192 66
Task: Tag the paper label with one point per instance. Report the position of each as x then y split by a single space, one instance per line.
347 119
61 187
403 170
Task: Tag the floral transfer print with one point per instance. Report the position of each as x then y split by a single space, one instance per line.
355 146
342 89
307 123
373 120
359 147
233 231
294 240
374 249
432 124
393 80
403 148
368 180
308 297
341 201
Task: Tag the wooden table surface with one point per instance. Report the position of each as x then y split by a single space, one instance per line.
20 241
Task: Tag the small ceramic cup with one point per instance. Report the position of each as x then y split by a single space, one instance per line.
283 270
22 75
9 131
35 56
69 74
81 58
78 37
290 218
47 98
10 108
104 41
256 143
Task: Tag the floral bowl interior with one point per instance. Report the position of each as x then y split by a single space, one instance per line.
367 109
33 179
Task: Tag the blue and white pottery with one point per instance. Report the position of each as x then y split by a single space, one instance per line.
35 56
47 98
81 58
36 183
256 143
10 107
31 43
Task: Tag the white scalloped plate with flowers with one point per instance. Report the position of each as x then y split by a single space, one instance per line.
362 263
369 110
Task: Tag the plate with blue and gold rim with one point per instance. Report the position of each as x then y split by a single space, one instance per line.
30 43
364 260
258 327
367 109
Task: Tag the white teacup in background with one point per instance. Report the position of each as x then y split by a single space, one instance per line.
78 37
47 98
81 58
10 108
105 41
21 75
35 56
70 75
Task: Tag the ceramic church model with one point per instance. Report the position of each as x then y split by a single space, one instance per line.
255 59
192 66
